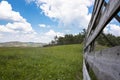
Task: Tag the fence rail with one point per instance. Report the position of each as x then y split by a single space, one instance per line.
104 63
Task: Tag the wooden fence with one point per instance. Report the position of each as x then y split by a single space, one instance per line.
105 63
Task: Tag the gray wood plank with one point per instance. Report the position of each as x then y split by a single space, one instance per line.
95 16
117 17
111 9
85 72
106 63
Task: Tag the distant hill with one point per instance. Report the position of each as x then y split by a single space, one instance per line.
21 44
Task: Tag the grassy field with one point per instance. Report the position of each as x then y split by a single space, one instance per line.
48 63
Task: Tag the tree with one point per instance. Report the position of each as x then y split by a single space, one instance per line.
108 40
60 41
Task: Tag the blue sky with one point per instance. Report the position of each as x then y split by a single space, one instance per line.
41 20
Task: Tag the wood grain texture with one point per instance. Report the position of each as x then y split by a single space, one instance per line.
112 8
106 63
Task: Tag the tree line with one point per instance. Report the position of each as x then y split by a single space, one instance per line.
103 39
69 39
108 40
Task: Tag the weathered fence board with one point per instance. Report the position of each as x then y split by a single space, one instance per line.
112 8
106 63
85 72
117 17
95 12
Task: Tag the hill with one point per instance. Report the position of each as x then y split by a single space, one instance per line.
21 44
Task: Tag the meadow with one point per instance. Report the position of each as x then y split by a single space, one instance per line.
47 63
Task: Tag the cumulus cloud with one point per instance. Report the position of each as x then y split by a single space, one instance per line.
49 35
52 33
42 37
67 12
17 28
18 24
113 29
18 37
6 13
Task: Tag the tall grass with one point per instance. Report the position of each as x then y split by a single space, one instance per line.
49 63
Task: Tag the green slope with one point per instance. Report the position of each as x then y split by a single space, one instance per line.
49 63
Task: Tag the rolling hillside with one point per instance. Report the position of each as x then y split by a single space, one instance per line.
21 44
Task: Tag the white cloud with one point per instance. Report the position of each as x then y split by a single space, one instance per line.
28 1
113 29
42 25
1 35
68 12
5 29
49 35
52 33
42 37
17 28
6 13
19 24
67 30
18 37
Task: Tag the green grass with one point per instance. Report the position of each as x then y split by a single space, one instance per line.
100 47
48 63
